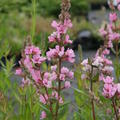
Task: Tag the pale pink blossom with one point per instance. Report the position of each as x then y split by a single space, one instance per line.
67 40
70 56
62 77
67 84
109 90
53 68
43 99
118 1
36 75
60 100
108 80
18 71
37 59
114 36
103 32
32 50
53 76
43 115
118 7
113 17
118 87
70 74
64 70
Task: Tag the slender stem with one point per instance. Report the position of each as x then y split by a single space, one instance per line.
115 110
117 59
92 100
59 88
33 18
51 109
117 52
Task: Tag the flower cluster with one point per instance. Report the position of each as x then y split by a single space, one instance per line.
51 82
100 64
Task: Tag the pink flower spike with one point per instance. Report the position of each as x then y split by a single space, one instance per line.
43 115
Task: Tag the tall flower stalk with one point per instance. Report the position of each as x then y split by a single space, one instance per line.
49 84
102 65
91 89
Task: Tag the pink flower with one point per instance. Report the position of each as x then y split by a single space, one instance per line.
114 36
108 69
103 32
53 68
37 59
28 63
64 70
51 54
109 90
62 77
118 87
53 37
70 56
106 52
18 71
43 99
118 1
108 80
43 115
54 53
67 84
67 40
54 24
60 100
101 77
47 83
53 76
32 50
70 74
55 94
61 52
36 75
68 23
98 61
113 17
118 7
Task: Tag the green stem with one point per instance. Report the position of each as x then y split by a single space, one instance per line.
59 89
33 18
115 110
92 100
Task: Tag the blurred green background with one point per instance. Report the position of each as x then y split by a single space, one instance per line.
19 18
